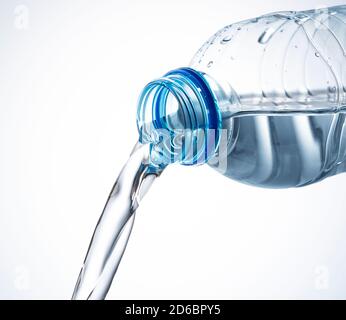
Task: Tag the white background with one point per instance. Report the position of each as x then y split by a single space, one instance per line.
70 75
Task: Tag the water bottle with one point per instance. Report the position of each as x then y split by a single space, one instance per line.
262 102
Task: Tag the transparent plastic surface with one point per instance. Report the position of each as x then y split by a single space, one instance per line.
280 82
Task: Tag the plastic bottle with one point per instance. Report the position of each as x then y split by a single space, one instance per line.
262 101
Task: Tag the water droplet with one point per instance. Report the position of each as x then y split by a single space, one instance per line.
226 39
332 89
239 28
296 46
317 54
232 58
210 63
266 35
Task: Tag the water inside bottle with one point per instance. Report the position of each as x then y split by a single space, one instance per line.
284 150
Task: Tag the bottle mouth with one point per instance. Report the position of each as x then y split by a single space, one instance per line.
179 117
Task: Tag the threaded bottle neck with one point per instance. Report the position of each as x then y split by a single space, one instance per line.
178 115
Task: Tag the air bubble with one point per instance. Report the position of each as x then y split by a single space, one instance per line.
226 39
317 54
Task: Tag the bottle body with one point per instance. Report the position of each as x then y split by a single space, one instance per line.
283 78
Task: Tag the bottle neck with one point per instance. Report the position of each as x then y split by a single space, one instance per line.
179 116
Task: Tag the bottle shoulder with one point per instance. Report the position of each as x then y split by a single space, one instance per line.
294 59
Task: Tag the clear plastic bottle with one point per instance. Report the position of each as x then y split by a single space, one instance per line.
262 101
